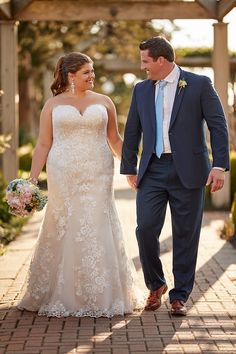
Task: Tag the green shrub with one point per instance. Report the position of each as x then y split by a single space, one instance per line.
10 226
208 201
8 231
227 232
25 153
25 156
233 174
233 210
25 138
4 214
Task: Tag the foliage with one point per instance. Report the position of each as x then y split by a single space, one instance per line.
227 232
10 226
233 210
197 52
4 215
25 156
9 231
232 54
233 174
194 52
4 142
25 153
41 43
208 202
25 138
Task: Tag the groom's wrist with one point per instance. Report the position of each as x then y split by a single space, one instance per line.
219 168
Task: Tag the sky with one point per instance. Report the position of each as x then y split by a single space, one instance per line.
199 33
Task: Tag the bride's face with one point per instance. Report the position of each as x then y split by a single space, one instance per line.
84 78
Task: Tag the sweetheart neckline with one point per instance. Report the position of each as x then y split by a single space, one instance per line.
77 109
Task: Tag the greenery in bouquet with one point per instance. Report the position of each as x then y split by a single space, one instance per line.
228 231
10 225
24 197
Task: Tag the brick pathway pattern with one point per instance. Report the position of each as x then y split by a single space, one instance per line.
210 326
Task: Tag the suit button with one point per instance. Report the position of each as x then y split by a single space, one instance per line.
170 133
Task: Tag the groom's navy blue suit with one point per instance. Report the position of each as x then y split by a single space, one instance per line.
178 178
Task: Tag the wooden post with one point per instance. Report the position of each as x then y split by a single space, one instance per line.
10 99
221 78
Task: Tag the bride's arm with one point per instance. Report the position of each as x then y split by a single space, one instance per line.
113 136
44 141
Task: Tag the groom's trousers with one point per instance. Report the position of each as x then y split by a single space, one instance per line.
159 186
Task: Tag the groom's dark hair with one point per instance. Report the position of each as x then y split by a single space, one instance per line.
158 47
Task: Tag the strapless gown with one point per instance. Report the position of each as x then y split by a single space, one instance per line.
80 266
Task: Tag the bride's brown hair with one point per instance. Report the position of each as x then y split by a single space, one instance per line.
69 63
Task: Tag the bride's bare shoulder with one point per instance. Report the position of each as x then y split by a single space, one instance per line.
102 99
51 103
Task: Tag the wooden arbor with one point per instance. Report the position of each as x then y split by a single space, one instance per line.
12 11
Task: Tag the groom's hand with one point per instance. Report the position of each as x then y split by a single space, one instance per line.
132 180
216 178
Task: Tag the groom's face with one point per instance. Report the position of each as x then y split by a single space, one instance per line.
152 67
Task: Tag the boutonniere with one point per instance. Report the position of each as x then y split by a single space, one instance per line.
181 85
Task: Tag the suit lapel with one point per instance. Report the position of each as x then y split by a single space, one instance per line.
179 94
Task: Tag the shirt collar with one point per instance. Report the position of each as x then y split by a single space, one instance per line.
172 76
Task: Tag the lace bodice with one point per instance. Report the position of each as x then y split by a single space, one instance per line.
70 124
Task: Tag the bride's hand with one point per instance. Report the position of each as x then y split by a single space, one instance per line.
132 180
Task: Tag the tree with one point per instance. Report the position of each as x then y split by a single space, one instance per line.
40 44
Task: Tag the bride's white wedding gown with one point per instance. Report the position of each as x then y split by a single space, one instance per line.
80 266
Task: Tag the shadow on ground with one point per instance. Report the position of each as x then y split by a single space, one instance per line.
208 328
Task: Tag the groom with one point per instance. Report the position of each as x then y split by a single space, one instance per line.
169 111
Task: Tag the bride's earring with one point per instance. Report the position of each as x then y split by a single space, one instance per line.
72 87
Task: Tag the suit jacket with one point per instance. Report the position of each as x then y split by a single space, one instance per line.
194 105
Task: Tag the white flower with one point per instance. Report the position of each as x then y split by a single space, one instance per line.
181 84
24 198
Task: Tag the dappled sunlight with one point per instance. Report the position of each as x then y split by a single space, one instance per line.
216 269
110 32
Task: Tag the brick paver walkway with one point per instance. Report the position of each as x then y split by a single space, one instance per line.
210 326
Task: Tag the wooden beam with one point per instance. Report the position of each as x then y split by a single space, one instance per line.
117 64
5 9
111 10
19 5
210 6
224 7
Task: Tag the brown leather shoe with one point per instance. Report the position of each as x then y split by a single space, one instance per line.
154 298
178 308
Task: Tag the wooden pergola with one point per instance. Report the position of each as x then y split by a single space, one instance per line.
12 11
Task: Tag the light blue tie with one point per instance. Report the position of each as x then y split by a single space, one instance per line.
160 117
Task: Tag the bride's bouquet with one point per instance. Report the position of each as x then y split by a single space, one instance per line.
24 197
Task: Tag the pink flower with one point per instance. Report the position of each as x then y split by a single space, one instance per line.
25 197
15 203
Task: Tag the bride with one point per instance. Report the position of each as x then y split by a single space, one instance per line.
79 267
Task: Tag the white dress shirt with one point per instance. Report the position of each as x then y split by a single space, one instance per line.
169 96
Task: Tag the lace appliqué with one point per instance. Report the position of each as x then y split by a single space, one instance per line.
80 267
